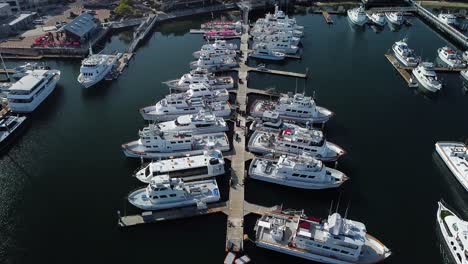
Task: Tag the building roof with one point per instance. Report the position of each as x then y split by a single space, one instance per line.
81 25
21 17
3 5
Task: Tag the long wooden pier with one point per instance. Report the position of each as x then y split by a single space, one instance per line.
247 69
403 71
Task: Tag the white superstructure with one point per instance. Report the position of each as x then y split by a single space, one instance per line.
335 240
357 16
297 107
164 192
427 77
29 92
395 18
202 76
455 233
201 123
450 57
301 171
261 51
279 36
280 45
96 67
212 50
154 144
214 63
295 141
455 156
404 54
377 18
199 90
209 164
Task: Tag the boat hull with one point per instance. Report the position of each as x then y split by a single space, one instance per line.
443 155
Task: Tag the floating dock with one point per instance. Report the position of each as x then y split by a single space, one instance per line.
246 69
403 71
327 17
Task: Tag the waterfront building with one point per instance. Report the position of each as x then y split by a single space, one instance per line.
82 27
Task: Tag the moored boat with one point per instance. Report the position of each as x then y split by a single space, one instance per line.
404 54
455 156
450 57
454 231
357 16
426 76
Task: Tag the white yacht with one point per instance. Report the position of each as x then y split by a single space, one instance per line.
25 69
201 76
280 17
455 156
395 18
283 46
301 171
357 16
273 124
164 192
299 141
448 19
378 19
10 127
450 57
261 51
201 91
464 75
166 111
214 64
29 92
278 36
427 77
96 67
209 164
154 144
297 107
211 50
455 233
222 44
335 239
404 54
201 123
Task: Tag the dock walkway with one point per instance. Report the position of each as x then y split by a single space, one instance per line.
327 17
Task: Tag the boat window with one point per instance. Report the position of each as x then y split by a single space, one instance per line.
163 196
214 161
311 177
155 197
172 195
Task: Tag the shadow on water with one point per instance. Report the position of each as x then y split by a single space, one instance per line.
98 91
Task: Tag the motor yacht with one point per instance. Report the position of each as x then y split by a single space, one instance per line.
404 54
164 192
154 144
201 76
298 108
455 233
299 141
455 156
261 51
334 240
207 165
357 16
395 18
25 95
303 171
377 18
96 67
450 57
166 111
427 77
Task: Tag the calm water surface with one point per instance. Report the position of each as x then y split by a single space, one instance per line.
64 180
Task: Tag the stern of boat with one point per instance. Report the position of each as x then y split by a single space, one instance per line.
374 251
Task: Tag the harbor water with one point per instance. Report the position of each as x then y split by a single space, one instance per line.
63 181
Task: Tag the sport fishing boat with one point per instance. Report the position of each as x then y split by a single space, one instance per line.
427 77
300 171
297 108
448 19
377 18
222 34
335 240
154 144
214 64
164 192
209 164
279 36
261 51
455 156
404 54
25 95
450 57
96 67
395 18
455 233
166 111
299 141
10 127
201 123
357 16
201 76
207 52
